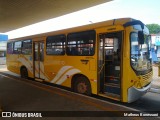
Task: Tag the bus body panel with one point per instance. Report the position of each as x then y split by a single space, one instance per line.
60 70
26 60
132 84
13 63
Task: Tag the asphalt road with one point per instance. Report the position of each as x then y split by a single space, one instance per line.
18 94
23 95
148 102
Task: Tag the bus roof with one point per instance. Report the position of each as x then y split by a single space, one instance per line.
119 21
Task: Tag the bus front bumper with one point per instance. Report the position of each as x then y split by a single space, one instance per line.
135 93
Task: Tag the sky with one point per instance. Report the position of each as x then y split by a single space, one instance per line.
147 11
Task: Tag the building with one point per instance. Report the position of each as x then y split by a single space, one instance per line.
3 44
155 47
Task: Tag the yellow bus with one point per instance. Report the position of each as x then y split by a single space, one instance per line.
109 59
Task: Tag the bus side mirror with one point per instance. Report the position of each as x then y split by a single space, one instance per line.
140 37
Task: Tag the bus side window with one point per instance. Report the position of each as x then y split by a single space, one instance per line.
81 43
10 48
119 53
41 51
74 51
55 45
68 50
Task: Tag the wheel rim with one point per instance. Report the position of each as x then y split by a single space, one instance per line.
82 87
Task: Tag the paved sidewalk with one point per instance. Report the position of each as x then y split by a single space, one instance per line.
156 78
4 69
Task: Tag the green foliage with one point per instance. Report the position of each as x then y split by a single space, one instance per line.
153 28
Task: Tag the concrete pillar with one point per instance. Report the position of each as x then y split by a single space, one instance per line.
159 70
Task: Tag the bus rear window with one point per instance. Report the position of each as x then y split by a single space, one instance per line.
81 43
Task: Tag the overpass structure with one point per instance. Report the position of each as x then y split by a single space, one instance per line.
15 14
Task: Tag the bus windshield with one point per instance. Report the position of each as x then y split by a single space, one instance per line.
140 53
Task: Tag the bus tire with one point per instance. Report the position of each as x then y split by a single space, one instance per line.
24 72
82 85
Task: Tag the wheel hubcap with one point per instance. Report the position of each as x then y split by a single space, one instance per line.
82 87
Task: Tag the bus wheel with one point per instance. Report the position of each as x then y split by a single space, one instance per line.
82 86
24 73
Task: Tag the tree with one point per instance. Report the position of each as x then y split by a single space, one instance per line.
153 28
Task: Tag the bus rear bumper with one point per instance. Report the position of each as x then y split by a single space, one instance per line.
135 93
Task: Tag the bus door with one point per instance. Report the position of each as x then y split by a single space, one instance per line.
39 60
110 64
